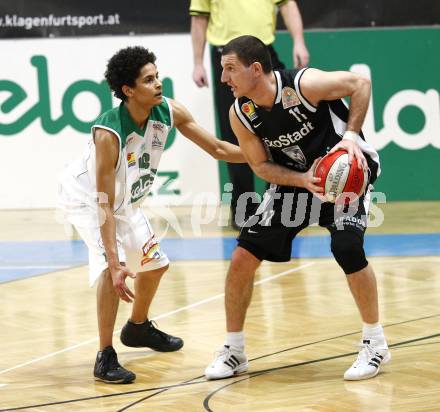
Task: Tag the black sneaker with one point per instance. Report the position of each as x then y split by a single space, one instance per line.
107 368
146 335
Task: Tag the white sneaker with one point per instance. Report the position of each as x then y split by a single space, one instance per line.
372 355
228 361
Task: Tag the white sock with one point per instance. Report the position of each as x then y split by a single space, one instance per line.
235 339
373 331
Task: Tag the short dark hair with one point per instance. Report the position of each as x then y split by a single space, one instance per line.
249 49
124 68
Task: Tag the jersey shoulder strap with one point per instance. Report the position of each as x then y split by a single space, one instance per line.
111 121
163 113
245 109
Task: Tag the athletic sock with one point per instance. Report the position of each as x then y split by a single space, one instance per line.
373 331
235 339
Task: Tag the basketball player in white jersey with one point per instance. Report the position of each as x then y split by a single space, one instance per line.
102 193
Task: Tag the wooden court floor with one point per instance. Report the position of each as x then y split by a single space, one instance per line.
301 332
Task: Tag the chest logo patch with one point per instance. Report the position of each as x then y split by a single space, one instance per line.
248 109
131 159
297 155
289 98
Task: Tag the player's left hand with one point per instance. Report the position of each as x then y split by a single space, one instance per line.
300 55
353 150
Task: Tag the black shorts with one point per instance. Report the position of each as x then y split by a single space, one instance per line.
285 211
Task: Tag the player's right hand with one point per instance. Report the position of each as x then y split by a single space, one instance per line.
353 150
311 182
119 273
199 76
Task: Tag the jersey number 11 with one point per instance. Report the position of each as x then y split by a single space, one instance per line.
296 114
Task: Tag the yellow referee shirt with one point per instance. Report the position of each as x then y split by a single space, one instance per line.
232 18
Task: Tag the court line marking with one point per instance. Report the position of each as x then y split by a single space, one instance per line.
164 315
250 374
287 350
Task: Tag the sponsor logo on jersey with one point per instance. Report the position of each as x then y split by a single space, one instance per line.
142 186
248 109
289 98
129 140
157 143
158 126
297 155
131 159
290 138
359 223
150 250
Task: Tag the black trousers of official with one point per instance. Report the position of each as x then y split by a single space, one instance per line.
240 174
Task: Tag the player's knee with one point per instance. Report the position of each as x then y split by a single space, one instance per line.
243 261
348 250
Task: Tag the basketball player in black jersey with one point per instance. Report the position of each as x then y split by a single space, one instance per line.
285 121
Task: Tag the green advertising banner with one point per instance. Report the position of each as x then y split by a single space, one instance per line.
403 122
51 92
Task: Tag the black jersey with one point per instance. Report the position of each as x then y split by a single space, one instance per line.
294 131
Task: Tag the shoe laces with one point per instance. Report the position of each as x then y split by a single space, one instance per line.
158 332
222 354
224 350
366 352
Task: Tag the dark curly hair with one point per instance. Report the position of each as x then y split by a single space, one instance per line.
124 68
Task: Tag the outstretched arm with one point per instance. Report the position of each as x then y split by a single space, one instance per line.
256 156
317 85
293 21
218 149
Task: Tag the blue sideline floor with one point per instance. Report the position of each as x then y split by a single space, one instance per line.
19 260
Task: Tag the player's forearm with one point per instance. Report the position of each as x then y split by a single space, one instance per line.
359 101
293 21
273 173
108 234
199 24
229 152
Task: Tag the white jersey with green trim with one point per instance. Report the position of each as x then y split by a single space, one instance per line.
140 151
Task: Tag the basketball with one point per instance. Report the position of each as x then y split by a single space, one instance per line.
338 177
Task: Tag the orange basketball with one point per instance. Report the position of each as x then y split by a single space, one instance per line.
338 177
